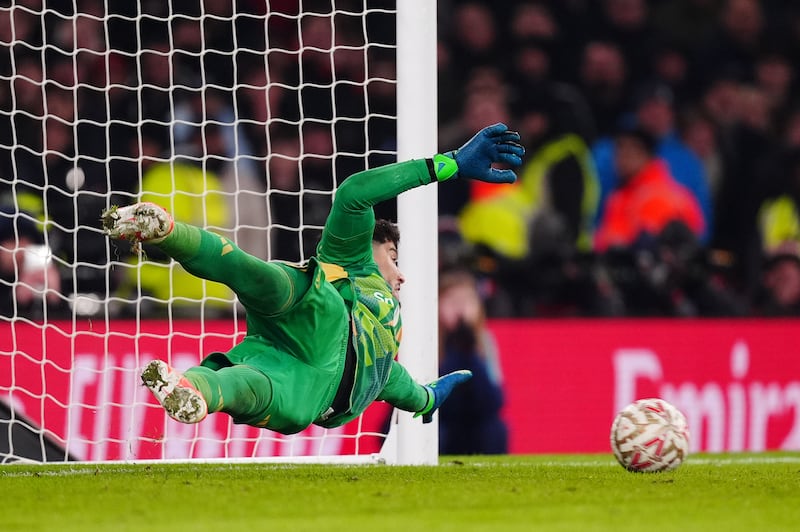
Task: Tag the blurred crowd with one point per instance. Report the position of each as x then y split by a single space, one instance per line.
235 114
663 139
662 176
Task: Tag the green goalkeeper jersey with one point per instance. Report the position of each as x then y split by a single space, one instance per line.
329 352
345 253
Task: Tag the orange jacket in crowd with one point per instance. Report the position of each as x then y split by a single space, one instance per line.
647 203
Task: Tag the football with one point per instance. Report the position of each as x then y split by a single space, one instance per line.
649 436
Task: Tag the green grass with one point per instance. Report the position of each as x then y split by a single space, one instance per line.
747 492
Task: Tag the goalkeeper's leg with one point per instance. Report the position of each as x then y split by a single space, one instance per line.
241 391
270 287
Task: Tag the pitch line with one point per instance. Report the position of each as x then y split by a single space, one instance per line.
85 468
765 460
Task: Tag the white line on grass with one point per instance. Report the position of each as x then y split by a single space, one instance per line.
86 468
689 461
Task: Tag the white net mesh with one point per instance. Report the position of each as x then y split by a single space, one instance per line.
239 116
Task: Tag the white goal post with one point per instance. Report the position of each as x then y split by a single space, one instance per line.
241 116
418 214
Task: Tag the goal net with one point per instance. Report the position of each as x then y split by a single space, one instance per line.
239 116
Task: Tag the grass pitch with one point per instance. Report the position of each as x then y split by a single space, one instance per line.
747 492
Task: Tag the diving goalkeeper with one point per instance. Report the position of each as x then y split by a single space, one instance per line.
321 339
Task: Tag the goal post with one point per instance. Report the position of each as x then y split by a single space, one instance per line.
418 215
241 117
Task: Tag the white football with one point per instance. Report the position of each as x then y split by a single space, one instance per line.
650 435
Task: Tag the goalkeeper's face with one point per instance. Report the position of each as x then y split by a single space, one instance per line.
385 255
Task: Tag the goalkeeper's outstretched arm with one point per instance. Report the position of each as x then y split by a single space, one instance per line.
347 236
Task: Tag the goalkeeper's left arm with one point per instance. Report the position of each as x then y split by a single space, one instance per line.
347 236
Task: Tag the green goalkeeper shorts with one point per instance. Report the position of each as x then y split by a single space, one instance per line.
301 351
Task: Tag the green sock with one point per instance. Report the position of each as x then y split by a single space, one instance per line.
240 391
272 287
183 243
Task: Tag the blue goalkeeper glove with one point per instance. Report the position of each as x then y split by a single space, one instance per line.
492 144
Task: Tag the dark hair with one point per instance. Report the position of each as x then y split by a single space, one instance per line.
653 91
386 231
645 139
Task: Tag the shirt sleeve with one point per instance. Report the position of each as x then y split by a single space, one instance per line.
347 236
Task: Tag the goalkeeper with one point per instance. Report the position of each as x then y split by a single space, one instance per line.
321 339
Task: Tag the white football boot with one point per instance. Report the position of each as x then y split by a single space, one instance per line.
140 222
174 392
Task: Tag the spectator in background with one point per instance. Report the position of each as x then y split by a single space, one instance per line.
779 216
748 139
210 130
473 37
53 180
626 23
699 133
533 230
471 422
668 274
196 194
536 38
487 101
283 168
97 78
290 172
671 66
558 179
654 113
29 279
534 77
735 40
779 293
603 79
775 77
244 190
646 197
790 131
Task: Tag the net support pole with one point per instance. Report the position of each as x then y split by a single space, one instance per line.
417 444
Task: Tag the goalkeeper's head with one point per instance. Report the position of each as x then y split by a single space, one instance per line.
385 241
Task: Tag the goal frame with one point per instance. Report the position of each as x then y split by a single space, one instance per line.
408 441
417 214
